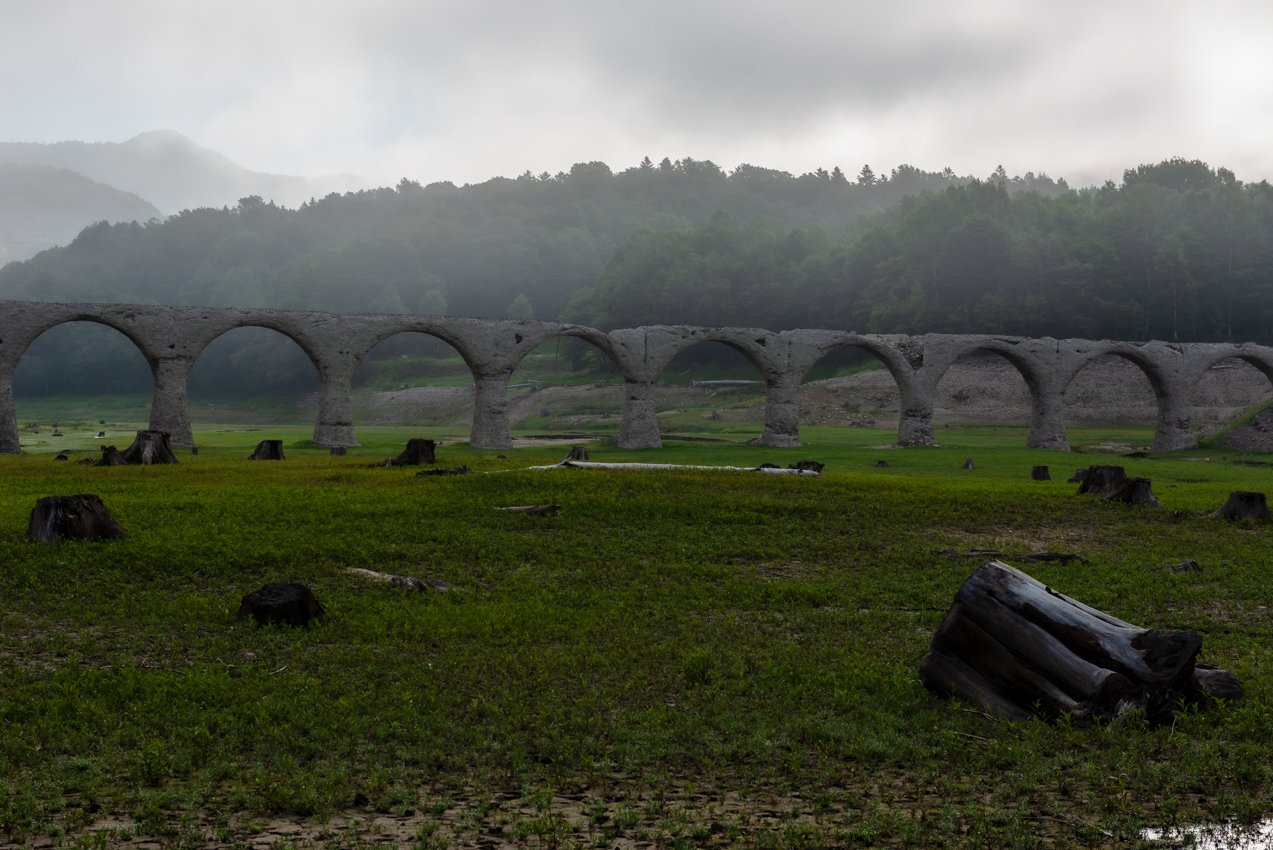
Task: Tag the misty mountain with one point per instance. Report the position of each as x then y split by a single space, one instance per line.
174 173
42 206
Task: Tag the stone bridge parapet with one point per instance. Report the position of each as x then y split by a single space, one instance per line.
172 338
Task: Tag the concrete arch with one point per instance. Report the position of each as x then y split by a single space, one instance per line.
1170 374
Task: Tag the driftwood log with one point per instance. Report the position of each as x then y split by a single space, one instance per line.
1013 645
1245 505
1135 491
532 509
576 453
111 457
81 517
1102 480
268 450
1040 473
417 452
968 464
1079 475
282 602
149 447
453 470
405 582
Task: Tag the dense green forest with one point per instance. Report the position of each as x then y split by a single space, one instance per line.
524 245
1178 251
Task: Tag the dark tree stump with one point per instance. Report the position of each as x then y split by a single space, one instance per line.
1245 505
111 457
576 453
1013 645
417 452
150 447
339 451
968 464
881 464
81 517
1040 473
268 450
605 414
101 433
545 413
282 602
1135 491
807 465
1079 475
194 450
715 416
1102 480
62 455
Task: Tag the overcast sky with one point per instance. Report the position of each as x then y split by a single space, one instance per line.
467 90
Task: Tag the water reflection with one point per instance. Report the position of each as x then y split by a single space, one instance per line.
1216 837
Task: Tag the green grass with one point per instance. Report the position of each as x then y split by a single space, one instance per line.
692 657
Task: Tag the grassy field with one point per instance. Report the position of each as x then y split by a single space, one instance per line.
674 659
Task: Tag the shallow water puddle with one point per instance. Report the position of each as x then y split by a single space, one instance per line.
1216 836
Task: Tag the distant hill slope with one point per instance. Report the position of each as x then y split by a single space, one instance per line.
174 173
42 206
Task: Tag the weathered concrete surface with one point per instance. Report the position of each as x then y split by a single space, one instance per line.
172 338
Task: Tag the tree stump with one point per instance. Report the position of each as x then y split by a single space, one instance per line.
417 452
1135 491
804 465
1013 645
282 602
605 414
194 450
111 457
545 413
339 451
268 450
1102 480
149 447
62 455
968 464
101 433
81 517
1079 475
1040 473
576 453
881 464
715 416
1245 505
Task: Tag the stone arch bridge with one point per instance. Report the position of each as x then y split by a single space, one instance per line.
172 338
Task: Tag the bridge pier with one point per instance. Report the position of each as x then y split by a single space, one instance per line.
170 405
490 411
915 424
1047 419
9 444
782 412
1174 430
640 427
335 425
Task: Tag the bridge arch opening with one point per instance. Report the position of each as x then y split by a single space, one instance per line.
566 384
711 386
1228 388
849 386
412 378
1112 390
984 387
77 374
253 374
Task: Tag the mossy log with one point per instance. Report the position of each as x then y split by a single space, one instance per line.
1040 473
282 602
1245 505
81 517
416 453
1102 480
149 447
1135 491
268 450
1013 645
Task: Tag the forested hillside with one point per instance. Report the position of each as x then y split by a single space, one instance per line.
533 242
1178 251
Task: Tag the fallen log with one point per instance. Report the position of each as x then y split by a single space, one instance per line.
1245 505
268 450
1135 491
81 517
810 465
1102 480
1079 475
1040 473
282 602
771 470
454 470
532 509
1014 646
405 582
417 452
149 447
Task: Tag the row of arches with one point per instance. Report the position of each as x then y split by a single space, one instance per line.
172 340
